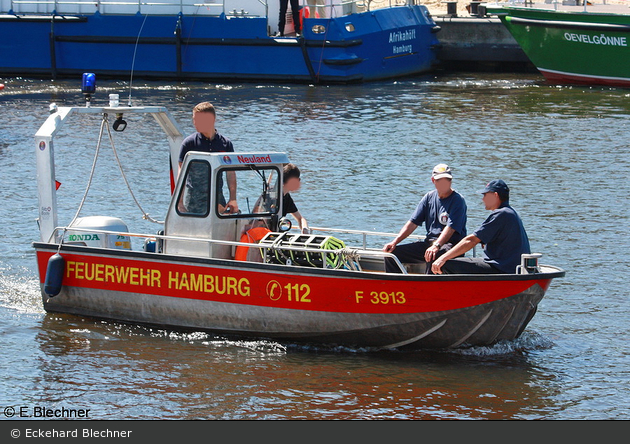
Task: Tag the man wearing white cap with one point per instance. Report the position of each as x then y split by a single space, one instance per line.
443 212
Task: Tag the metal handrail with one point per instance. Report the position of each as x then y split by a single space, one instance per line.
376 233
365 233
338 251
219 4
557 3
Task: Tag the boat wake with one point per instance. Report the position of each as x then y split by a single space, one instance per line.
19 290
528 341
217 342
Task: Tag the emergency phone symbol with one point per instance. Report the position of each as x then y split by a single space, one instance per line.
274 290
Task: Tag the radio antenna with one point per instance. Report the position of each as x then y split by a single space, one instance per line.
133 62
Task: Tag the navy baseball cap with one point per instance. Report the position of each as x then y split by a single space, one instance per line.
496 186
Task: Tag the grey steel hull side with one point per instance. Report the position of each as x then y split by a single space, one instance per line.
485 324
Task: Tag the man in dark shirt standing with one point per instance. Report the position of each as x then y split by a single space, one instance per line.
502 233
207 139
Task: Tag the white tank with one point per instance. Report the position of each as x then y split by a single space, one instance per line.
97 239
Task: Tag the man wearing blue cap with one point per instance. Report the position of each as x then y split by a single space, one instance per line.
502 234
443 212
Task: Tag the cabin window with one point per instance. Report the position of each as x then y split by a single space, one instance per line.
256 189
194 197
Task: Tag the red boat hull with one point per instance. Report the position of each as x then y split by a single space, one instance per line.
294 303
580 79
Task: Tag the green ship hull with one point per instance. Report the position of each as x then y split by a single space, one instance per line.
572 46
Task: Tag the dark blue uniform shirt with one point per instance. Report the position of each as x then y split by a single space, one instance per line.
437 213
504 237
199 142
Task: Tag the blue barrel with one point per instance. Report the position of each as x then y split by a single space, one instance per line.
54 275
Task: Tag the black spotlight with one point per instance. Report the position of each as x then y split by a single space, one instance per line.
119 123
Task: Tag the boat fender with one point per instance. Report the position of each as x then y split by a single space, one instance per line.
250 236
54 275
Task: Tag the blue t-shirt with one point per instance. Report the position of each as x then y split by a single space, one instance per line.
504 237
437 213
199 142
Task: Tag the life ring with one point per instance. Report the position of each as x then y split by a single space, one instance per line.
250 236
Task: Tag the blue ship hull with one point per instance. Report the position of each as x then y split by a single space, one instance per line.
379 44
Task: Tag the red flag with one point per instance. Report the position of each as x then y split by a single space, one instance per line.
57 184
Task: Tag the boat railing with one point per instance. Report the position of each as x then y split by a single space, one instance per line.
232 8
363 234
349 256
366 234
557 4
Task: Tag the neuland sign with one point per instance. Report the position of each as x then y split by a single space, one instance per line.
254 159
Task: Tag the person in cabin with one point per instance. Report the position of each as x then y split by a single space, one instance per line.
291 182
207 139
443 212
502 234
295 13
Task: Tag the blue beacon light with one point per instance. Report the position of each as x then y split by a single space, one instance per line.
88 86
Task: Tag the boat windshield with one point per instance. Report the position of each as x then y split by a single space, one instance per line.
194 198
256 190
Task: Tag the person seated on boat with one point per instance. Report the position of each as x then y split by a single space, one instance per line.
443 212
291 182
295 13
502 234
208 140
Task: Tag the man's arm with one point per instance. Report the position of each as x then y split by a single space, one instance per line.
462 247
301 220
405 231
444 237
232 204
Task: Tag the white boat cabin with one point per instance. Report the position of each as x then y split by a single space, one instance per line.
205 185
199 221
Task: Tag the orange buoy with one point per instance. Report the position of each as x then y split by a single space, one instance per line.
250 236
1 86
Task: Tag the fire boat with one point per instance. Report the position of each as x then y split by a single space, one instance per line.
250 273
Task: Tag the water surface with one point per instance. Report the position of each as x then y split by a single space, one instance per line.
366 152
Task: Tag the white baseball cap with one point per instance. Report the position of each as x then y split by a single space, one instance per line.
441 170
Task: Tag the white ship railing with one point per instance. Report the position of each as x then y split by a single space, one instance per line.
560 4
361 252
343 253
252 8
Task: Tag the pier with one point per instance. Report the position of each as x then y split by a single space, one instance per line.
471 40
479 44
